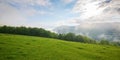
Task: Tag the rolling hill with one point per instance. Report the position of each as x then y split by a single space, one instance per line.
20 47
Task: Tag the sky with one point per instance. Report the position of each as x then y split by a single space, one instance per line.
49 14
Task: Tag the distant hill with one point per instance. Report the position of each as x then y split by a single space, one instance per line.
110 31
20 47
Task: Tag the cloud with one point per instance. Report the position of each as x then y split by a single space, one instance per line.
17 12
67 1
29 7
13 17
29 2
32 12
97 11
67 22
10 16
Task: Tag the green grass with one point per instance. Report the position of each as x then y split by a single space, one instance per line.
20 47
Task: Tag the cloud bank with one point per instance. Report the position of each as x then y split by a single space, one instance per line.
96 18
34 12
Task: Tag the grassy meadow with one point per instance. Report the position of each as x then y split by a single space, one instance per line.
20 47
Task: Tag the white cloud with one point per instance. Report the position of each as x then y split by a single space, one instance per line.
17 15
26 6
13 17
32 12
30 2
67 1
67 22
98 10
10 16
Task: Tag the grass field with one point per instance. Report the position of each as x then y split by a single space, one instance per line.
20 47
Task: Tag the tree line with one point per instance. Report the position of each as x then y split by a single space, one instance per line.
44 33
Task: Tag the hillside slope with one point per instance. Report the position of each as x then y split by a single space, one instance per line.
19 47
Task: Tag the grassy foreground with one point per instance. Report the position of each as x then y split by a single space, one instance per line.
19 47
